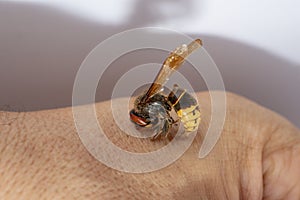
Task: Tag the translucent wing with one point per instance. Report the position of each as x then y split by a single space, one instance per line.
172 63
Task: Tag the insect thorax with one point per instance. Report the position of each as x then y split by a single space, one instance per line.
157 106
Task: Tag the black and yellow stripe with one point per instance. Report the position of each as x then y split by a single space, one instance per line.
186 107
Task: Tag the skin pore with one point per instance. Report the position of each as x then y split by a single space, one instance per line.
256 157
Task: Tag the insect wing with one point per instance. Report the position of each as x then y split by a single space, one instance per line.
172 63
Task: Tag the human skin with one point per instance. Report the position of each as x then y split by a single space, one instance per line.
256 157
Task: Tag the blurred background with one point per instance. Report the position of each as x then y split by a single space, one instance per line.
255 44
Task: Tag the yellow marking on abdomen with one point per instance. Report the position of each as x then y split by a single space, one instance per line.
190 117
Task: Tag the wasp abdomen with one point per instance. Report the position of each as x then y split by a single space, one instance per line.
190 118
186 107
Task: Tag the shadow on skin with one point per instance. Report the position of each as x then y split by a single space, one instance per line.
42 48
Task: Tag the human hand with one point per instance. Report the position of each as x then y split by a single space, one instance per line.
256 157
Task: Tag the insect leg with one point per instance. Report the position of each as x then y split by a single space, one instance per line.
164 130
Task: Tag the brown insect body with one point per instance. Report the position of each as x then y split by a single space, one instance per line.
152 109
